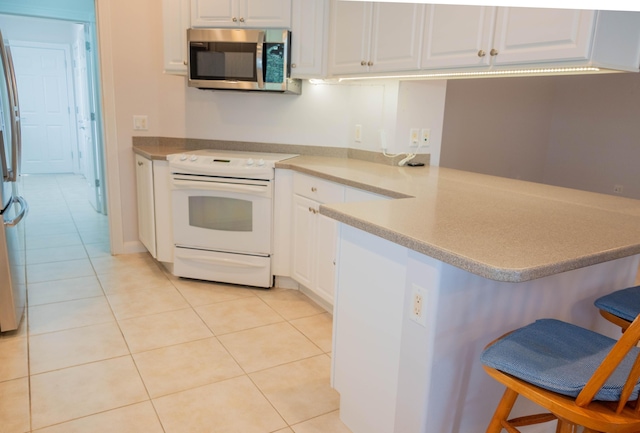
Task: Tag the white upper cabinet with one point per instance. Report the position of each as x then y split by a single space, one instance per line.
457 36
529 35
309 33
463 36
378 37
241 13
175 20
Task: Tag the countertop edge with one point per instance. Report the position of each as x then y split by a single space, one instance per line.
509 275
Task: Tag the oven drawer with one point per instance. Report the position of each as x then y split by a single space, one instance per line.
222 267
320 190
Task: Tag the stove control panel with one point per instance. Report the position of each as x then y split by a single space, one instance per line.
226 163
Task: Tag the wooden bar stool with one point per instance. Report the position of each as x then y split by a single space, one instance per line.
620 307
581 377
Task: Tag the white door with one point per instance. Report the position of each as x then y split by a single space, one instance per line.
44 95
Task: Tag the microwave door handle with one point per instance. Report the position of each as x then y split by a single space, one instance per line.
260 60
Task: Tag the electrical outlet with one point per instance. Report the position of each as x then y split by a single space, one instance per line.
413 137
425 136
617 189
358 134
418 306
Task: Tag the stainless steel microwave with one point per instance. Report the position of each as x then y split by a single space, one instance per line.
241 59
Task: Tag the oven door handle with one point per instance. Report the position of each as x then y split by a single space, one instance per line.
223 262
219 186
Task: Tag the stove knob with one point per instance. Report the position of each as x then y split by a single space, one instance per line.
249 161
261 162
183 157
194 158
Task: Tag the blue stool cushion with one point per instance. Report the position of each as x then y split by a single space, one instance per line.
559 357
623 303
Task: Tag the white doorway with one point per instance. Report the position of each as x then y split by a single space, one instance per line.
48 147
45 90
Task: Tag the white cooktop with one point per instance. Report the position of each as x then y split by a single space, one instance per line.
254 165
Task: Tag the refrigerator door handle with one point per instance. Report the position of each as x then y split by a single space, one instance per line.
23 212
16 142
3 159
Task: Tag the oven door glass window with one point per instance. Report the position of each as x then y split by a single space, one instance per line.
222 220
221 213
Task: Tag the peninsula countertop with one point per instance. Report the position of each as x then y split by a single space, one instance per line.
498 228
501 229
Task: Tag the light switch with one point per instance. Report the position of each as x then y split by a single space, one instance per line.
140 123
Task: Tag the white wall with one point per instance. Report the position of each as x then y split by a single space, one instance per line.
324 115
421 105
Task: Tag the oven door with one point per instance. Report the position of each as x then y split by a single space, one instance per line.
221 214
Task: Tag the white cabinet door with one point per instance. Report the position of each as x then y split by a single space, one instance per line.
396 37
214 13
350 37
304 240
457 36
326 235
528 35
241 13
266 13
175 20
146 213
378 37
308 37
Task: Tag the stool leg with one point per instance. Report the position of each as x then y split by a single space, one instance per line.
566 427
502 411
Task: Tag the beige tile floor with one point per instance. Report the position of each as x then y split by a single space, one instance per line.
115 344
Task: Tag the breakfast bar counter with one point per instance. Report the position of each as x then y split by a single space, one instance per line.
483 255
498 228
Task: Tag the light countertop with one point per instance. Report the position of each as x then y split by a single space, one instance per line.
498 228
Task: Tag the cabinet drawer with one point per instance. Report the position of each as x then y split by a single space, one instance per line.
322 191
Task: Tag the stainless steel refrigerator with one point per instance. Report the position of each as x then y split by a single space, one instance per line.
13 207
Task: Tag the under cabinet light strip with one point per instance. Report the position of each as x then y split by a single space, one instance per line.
469 74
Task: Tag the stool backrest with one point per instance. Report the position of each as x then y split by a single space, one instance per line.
619 351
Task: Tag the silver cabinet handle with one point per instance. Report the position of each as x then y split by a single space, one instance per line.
370 63
481 53
493 52
234 19
140 163
363 63
293 65
314 189
241 19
